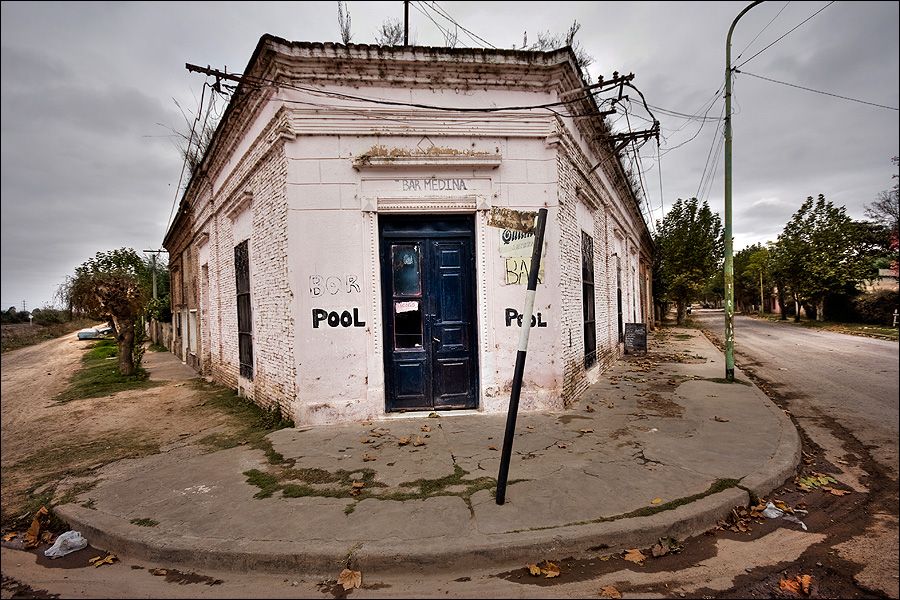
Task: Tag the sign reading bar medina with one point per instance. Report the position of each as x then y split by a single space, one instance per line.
516 242
635 338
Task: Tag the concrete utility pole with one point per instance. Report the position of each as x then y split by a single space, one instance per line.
729 242
154 253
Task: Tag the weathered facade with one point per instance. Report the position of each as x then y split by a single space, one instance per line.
332 253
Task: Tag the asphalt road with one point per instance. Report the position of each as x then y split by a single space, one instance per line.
842 391
850 378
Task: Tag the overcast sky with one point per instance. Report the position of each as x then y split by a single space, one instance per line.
88 89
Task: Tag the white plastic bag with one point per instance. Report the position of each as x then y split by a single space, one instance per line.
66 543
773 512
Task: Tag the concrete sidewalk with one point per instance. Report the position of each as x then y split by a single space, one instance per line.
659 447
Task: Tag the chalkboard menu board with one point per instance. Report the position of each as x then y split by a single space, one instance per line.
635 337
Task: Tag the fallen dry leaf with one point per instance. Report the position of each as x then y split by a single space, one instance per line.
805 583
550 570
634 555
492 447
835 492
46 537
159 572
350 579
659 550
720 419
426 428
103 560
790 585
531 427
418 441
33 535
9 536
365 440
585 431
561 445
358 485
609 591
368 457
656 501
534 570
403 440
588 408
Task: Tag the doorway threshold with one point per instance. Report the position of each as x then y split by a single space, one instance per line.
419 414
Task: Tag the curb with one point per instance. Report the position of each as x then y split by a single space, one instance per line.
783 463
500 550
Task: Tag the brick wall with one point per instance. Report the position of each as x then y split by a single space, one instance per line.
273 328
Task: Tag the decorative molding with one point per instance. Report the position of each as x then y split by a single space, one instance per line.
429 161
425 204
241 203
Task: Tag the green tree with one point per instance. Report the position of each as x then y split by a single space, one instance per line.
821 252
113 286
751 267
886 207
690 246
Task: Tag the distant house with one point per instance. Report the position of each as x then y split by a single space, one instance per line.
887 279
332 253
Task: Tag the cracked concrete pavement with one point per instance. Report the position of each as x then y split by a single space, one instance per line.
660 445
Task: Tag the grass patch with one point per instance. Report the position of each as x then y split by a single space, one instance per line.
154 347
99 375
881 332
254 423
19 335
875 331
266 482
724 380
56 463
301 483
144 522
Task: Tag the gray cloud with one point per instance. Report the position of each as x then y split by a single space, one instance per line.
85 167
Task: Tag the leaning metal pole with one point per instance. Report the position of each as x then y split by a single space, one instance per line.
519 372
729 242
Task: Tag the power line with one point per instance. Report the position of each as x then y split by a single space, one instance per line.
785 35
637 162
441 11
793 85
443 31
709 155
260 81
761 31
185 161
662 199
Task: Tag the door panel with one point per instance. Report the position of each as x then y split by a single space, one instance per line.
429 299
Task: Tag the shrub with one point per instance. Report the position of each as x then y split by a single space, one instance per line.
877 307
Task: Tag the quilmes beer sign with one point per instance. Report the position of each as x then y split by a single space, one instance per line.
516 243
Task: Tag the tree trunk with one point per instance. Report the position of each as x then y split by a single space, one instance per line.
679 312
820 310
796 309
126 347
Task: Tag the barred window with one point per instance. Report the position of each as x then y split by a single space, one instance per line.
244 310
587 298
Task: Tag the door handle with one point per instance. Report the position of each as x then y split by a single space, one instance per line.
436 340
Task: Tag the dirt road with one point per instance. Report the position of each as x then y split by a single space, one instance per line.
50 447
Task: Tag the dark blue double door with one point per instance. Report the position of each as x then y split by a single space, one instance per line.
428 295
